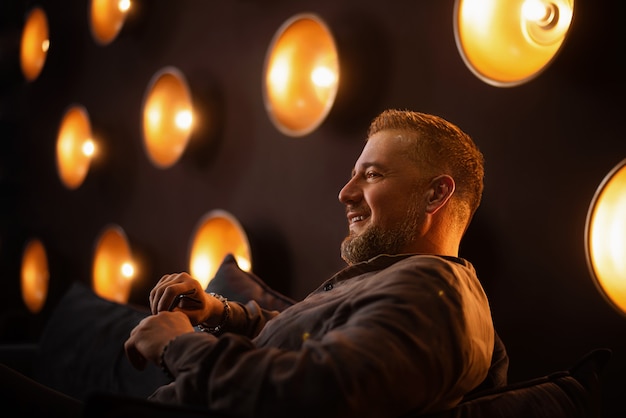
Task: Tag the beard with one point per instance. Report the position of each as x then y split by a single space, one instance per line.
376 241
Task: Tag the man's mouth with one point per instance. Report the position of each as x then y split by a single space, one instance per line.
356 219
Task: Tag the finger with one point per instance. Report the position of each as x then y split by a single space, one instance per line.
169 289
170 297
157 292
161 295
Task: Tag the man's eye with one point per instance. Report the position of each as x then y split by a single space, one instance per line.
371 174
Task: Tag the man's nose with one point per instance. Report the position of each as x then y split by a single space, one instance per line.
349 193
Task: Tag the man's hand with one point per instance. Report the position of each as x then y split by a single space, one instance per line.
150 337
181 292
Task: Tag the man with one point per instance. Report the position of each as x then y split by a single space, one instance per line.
406 326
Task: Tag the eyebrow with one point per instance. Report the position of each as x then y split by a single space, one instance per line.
365 166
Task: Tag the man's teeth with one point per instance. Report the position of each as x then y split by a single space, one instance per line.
356 219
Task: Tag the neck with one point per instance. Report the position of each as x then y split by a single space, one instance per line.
437 237
449 247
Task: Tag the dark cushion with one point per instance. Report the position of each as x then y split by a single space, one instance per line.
81 350
240 286
573 393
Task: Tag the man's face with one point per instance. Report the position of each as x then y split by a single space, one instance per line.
383 199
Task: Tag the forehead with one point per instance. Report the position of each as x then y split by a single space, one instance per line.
387 148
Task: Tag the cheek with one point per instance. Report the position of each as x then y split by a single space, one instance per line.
388 210
393 210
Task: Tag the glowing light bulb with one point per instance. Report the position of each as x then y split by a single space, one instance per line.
183 119
217 234
539 12
323 76
124 5
167 117
89 147
509 42
533 10
74 147
301 75
34 44
128 270
112 268
605 236
34 276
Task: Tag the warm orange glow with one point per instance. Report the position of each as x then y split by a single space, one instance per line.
89 148
128 270
535 10
75 147
217 234
35 44
508 42
113 268
301 75
107 18
167 117
606 237
34 276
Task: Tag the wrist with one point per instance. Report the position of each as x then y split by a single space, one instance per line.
162 363
219 327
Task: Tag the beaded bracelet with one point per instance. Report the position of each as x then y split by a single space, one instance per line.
225 316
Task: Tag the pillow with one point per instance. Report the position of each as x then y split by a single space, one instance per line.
240 286
81 349
574 393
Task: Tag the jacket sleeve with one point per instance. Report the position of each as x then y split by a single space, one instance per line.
247 319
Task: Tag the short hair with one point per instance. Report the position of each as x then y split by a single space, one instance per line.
444 148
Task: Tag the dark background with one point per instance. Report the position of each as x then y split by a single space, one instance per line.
548 144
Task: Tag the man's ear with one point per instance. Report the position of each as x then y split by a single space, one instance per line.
440 191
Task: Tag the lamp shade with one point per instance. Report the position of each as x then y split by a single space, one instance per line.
113 268
34 44
301 75
509 42
75 147
217 234
34 275
605 237
167 117
106 19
